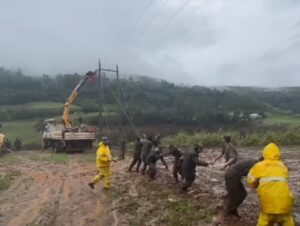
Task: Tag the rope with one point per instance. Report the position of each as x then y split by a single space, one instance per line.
131 123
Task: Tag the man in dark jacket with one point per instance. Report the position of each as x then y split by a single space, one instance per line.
156 141
152 158
236 192
190 161
146 149
137 154
177 167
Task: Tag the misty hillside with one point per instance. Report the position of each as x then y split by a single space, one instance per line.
147 100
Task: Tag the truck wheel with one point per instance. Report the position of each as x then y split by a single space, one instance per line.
58 147
45 145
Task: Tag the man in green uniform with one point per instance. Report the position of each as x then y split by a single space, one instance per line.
228 151
137 154
152 158
236 192
146 149
177 166
190 161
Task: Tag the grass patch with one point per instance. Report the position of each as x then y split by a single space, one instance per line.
88 158
280 119
7 180
37 106
49 213
24 129
37 157
59 158
289 136
11 158
182 213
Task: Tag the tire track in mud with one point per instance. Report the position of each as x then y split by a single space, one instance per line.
54 194
33 192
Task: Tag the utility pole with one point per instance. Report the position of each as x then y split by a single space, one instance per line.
120 98
99 98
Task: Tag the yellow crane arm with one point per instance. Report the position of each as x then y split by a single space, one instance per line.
68 104
66 115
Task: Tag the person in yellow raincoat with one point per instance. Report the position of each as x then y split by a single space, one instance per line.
2 142
103 161
270 179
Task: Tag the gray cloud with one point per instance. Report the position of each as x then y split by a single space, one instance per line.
217 42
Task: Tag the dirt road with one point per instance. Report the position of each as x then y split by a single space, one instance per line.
43 189
50 193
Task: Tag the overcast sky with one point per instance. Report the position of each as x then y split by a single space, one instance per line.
204 42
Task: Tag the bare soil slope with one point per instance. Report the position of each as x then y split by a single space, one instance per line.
50 193
44 189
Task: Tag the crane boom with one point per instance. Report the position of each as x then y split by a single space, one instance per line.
66 114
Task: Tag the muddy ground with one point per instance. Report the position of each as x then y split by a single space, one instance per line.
39 189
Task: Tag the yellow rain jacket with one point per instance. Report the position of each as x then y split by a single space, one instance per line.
270 178
103 158
2 141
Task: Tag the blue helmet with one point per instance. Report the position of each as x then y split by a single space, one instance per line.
104 139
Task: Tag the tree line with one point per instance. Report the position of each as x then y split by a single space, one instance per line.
148 101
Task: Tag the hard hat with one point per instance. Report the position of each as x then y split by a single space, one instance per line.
104 138
156 149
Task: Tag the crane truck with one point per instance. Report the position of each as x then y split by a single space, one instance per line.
61 136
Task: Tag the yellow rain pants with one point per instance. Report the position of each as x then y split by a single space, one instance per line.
105 175
269 219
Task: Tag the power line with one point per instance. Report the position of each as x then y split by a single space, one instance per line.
154 17
172 18
131 122
139 19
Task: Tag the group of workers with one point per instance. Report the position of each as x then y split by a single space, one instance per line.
267 174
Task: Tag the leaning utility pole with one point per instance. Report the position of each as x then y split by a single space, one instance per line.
120 99
99 98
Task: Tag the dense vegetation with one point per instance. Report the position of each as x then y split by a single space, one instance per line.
148 101
153 104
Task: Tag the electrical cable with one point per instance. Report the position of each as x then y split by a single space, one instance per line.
131 122
171 18
154 17
138 20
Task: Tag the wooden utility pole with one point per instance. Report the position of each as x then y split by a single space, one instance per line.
99 98
119 96
120 99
